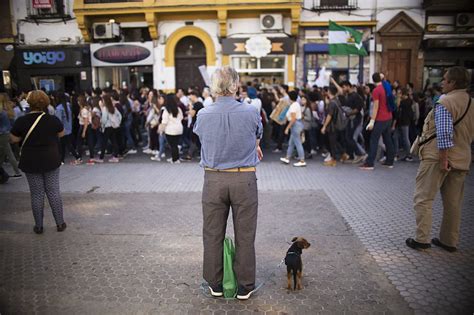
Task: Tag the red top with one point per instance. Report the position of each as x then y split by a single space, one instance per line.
383 113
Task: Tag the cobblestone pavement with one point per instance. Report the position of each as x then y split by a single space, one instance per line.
123 252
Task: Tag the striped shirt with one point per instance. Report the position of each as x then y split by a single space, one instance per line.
444 127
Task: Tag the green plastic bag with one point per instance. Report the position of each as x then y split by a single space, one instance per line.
229 282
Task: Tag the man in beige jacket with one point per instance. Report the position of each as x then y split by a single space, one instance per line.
445 153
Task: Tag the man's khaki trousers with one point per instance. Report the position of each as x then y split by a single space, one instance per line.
221 191
429 180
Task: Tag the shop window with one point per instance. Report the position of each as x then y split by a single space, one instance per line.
342 67
43 9
272 62
244 63
136 34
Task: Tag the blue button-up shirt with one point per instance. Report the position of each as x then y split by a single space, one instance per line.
228 131
444 127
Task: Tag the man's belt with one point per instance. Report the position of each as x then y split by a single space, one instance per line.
233 170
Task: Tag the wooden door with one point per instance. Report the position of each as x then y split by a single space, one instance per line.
190 53
398 65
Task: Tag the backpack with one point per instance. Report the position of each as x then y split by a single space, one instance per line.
341 117
391 105
115 119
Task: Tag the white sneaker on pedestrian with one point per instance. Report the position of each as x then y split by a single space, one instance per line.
132 151
328 157
358 159
325 154
299 164
163 155
276 150
383 159
148 151
155 158
169 160
113 160
314 151
285 160
154 152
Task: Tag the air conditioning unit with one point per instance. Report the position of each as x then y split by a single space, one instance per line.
106 30
271 22
465 19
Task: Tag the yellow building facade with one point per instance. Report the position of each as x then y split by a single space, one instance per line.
181 42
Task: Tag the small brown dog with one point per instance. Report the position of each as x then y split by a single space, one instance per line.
293 262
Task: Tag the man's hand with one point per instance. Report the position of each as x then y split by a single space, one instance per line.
443 161
259 153
83 136
323 130
287 131
371 124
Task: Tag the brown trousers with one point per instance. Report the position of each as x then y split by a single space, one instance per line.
221 191
429 180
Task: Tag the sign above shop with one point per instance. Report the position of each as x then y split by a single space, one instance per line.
53 57
122 54
278 46
258 46
42 4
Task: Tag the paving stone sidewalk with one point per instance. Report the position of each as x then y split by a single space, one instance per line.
377 207
142 254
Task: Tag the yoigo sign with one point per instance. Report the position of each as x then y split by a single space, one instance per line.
43 57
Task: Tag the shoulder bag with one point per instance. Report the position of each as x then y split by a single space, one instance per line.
30 131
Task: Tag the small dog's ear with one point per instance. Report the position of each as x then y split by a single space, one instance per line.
294 239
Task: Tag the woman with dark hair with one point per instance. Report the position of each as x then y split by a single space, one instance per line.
64 113
85 129
309 122
110 121
152 121
172 125
40 158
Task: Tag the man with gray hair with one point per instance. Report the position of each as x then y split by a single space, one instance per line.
230 133
445 153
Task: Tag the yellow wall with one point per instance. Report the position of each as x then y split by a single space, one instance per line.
190 31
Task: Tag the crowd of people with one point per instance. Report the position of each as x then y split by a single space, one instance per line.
334 121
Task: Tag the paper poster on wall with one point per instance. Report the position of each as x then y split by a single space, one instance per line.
205 75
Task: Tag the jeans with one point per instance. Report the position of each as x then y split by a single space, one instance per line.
174 141
402 132
109 134
353 130
381 128
295 140
162 140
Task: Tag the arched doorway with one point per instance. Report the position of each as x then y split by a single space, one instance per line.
190 53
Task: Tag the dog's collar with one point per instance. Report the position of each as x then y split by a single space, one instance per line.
293 253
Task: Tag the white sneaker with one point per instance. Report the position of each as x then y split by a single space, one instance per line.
154 152
358 159
276 150
132 151
314 151
285 160
155 158
299 164
163 155
148 151
113 160
383 159
325 154
328 158
169 160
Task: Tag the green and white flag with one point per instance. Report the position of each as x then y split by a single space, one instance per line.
345 41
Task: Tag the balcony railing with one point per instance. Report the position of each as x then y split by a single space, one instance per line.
322 5
109 1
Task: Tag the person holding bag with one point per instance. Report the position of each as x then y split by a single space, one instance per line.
40 158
